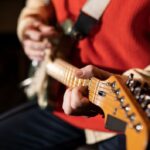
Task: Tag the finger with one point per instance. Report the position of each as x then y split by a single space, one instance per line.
36 58
31 53
37 30
34 30
90 71
85 72
33 34
36 23
102 74
77 98
67 102
36 45
48 31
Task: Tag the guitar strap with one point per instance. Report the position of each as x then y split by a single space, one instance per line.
89 17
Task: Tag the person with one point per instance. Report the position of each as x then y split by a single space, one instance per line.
121 42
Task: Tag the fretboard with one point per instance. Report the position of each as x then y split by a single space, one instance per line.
65 73
113 97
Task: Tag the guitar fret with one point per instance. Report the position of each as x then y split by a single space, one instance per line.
79 82
70 78
63 67
75 82
64 73
84 82
93 86
67 72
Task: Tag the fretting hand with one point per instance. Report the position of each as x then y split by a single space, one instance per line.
76 101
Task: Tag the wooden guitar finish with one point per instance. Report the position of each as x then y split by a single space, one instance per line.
121 109
113 97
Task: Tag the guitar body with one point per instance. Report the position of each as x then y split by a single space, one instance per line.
122 111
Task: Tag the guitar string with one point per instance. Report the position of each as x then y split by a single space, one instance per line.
110 102
111 105
111 109
75 82
71 69
72 83
68 68
114 96
108 90
101 85
110 98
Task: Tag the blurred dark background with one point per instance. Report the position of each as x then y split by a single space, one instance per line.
13 63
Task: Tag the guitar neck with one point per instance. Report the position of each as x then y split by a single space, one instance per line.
65 73
113 97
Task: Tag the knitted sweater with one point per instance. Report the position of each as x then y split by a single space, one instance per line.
121 40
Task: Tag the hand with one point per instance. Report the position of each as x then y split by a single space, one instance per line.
76 100
35 39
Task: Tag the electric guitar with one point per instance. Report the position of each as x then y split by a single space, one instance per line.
115 96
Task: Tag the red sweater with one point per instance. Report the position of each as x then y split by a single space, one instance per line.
121 42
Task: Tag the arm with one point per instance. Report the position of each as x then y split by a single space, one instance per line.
33 10
33 28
